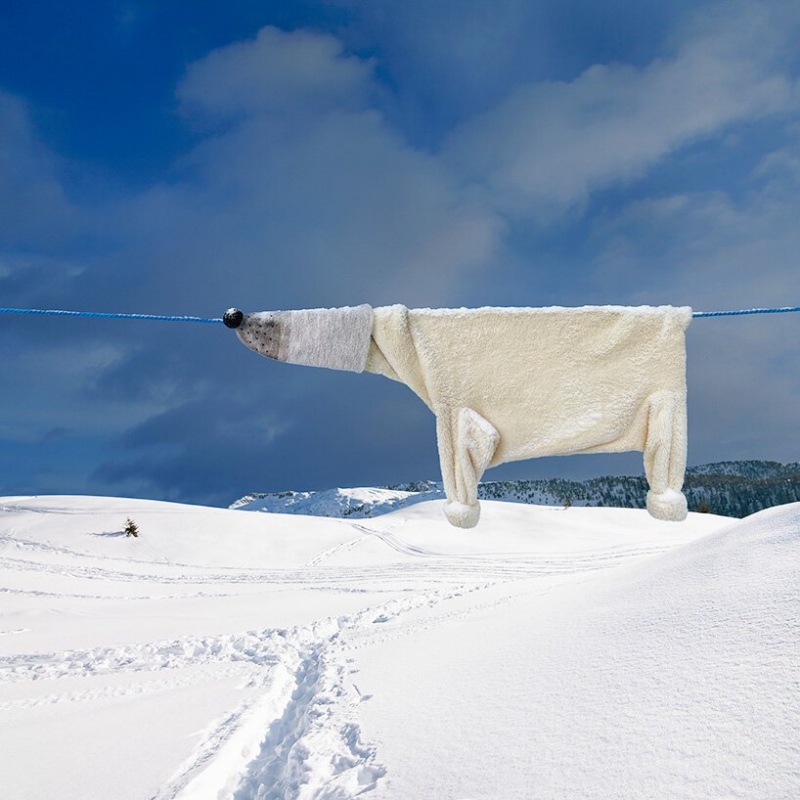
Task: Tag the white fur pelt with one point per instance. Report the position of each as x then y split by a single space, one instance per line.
508 384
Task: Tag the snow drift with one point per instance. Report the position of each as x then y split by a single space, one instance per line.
576 653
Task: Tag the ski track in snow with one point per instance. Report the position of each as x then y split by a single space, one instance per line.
297 735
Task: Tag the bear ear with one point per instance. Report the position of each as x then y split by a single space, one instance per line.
232 318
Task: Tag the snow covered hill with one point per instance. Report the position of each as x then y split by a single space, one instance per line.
550 652
729 488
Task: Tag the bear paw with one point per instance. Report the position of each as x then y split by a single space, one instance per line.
461 515
669 505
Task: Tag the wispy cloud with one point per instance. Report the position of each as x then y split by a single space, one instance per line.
307 189
36 212
549 145
276 73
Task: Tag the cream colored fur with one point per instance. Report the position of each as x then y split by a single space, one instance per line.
508 384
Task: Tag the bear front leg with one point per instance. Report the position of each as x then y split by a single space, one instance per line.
665 456
467 443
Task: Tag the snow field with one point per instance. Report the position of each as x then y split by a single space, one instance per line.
579 652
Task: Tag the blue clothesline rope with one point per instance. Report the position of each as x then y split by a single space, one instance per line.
784 310
106 315
218 320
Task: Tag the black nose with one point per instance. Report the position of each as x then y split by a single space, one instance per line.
232 318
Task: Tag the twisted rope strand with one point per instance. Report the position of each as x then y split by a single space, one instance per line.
106 315
784 310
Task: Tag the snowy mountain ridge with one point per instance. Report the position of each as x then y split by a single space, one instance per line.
727 488
356 503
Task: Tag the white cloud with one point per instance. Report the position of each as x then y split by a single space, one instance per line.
720 248
275 73
547 146
325 203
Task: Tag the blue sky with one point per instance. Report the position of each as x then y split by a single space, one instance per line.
181 158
